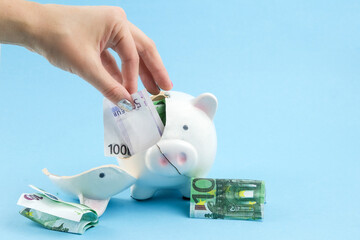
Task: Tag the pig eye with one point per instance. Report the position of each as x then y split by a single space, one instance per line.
185 127
102 175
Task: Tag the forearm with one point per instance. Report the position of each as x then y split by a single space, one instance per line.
18 20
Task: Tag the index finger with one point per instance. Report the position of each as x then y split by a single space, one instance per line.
126 49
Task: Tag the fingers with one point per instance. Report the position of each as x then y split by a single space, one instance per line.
109 63
151 58
111 66
147 79
101 79
126 49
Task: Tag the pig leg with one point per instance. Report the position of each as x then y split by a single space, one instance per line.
141 192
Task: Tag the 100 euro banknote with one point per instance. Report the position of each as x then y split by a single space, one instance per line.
227 199
55 214
126 133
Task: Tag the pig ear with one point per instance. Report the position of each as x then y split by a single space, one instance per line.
206 102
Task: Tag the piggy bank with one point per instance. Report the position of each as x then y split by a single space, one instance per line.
186 149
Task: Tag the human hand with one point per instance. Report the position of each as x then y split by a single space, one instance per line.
77 39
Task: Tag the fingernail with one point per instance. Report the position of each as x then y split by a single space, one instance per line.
125 105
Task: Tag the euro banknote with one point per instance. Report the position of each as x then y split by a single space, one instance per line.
55 214
126 133
227 199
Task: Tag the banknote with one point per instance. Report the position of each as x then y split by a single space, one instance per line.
227 198
126 133
161 109
55 214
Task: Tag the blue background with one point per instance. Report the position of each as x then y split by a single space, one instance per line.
287 77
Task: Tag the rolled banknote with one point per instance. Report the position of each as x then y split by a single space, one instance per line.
55 214
126 133
227 199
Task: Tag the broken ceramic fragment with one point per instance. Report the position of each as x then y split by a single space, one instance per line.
96 186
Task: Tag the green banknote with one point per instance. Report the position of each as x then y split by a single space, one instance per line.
161 109
60 224
227 199
55 214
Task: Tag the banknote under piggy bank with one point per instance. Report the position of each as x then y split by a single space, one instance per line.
186 149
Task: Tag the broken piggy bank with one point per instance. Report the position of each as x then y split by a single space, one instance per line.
186 149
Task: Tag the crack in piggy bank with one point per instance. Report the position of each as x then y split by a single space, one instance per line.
168 160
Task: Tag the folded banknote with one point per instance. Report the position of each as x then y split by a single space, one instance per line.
55 214
126 133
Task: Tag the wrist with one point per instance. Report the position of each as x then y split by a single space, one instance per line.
18 22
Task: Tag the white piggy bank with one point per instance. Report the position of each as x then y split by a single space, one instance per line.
187 149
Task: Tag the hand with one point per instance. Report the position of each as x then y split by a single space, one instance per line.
77 39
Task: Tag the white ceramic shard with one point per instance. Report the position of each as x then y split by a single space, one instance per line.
96 186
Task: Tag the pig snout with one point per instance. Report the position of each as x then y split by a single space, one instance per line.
171 158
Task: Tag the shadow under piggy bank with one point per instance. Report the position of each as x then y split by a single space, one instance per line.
186 149
163 202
